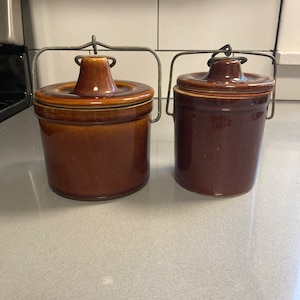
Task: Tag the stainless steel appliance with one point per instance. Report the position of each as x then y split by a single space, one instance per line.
15 78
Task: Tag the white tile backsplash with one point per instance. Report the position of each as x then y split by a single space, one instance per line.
289 39
207 24
116 22
166 26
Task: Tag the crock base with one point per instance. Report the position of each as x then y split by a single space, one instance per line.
198 189
98 197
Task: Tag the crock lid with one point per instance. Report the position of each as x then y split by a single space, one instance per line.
225 76
95 88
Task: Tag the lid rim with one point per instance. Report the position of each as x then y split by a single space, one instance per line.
221 95
61 95
198 83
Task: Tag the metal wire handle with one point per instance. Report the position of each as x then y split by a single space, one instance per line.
94 43
227 50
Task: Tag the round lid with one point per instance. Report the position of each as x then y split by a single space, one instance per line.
95 88
225 76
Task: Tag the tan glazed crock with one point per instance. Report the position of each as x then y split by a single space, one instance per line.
95 133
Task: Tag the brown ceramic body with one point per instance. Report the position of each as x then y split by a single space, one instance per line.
218 136
95 147
217 143
100 159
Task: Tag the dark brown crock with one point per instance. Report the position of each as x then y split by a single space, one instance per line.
95 133
219 122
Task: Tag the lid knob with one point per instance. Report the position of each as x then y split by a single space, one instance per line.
95 79
225 70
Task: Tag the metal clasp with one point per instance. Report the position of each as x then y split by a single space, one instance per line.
94 43
227 50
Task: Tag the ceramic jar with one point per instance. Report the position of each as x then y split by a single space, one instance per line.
95 133
219 122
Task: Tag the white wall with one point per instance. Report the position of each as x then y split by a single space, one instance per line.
166 26
289 52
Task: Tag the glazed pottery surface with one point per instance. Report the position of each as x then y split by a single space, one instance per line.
95 133
219 122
